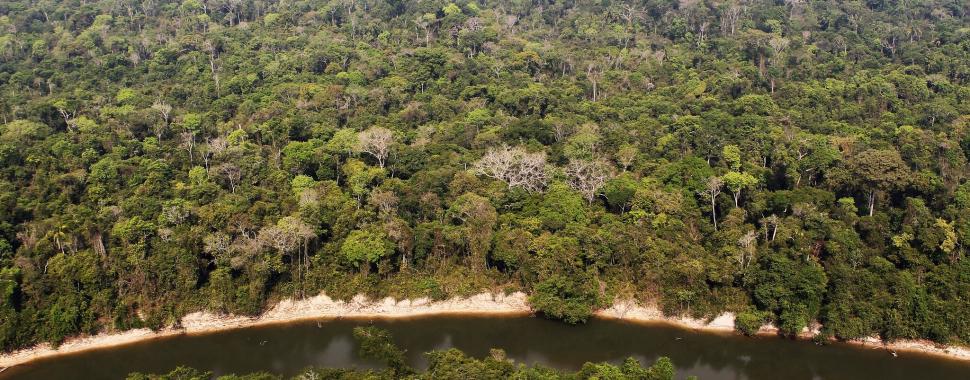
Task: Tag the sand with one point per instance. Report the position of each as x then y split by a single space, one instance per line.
629 310
322 307
724 323
319 307
922 346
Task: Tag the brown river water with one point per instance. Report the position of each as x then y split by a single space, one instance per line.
288 348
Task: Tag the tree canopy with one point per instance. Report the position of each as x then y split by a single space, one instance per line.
793 162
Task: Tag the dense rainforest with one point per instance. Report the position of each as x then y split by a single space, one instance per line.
790 161
378 345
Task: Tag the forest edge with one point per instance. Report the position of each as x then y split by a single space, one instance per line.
514 304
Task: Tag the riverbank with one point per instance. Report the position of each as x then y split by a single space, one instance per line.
319 307
629 310
724 323
324 307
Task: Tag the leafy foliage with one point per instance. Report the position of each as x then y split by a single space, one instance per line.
448 364
805 161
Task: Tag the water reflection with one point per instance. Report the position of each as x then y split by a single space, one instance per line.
289 348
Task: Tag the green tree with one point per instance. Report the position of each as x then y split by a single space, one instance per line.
875 172
791 288
365 247
479 217
736 182
732 156
378 344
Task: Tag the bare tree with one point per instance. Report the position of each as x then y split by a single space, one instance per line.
232 8
702 32
748 247
630 13
213 147
385 201
778 44
187 142
516 167
232 173
771 224
625 156
287 236
712 190
308 198
67 114
218 145
594 73
498 163
212 51
277 238
165 111
561 131
840 43
427 26
217 244
588 176
242 250
376 142
175 214
729 21
509 23
794 5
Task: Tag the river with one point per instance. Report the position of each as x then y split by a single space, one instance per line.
286 349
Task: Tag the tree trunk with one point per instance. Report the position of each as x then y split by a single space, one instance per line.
714 213
872 201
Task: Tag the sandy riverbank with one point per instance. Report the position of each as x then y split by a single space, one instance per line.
631 311
322 307
319 307
916 345
724 323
